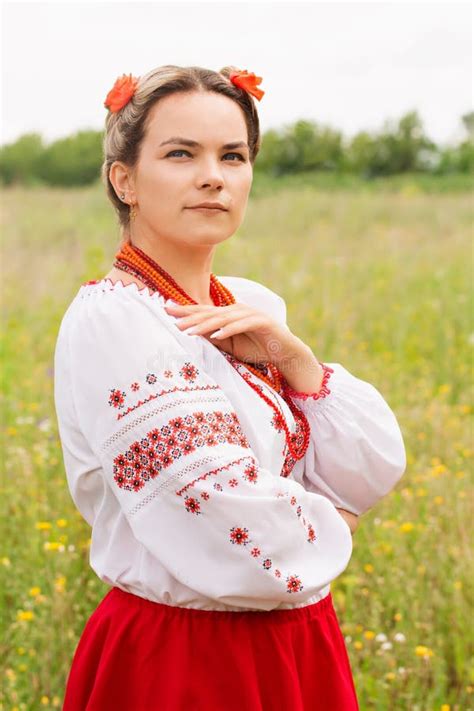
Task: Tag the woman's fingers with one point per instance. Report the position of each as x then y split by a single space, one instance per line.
208 321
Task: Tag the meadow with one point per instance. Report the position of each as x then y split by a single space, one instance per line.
376 278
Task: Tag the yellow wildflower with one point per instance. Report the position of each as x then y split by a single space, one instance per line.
45 700
406 527
422 651
35 591
390 676
59 583
368 634
6 561
369 568
43 525
358 645
438 500
61 522
25 614
397 616
51 545
457 585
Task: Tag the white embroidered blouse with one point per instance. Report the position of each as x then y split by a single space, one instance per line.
182 470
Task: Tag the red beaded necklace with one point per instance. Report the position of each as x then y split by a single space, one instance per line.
136 262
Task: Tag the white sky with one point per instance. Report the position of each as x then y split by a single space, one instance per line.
348 64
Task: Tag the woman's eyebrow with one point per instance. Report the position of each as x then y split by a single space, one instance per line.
195 144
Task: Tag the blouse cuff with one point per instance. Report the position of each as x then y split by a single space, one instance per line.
323 391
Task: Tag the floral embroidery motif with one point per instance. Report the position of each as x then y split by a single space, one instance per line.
278 421
162 446
189 372
239 535
116 398
192 505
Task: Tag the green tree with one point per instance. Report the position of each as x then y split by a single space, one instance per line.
19 161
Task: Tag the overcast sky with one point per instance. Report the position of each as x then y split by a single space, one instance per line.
349 65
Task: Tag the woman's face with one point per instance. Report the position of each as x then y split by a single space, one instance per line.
171 177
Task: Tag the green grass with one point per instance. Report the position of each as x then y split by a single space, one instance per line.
375 278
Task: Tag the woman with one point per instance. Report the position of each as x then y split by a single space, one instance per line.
222 469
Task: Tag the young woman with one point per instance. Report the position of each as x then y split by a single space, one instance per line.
222 469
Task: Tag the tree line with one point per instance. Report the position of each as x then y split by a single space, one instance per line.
399 146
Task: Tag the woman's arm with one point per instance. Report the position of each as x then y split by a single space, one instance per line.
169 445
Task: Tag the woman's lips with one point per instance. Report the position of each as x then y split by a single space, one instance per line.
207 210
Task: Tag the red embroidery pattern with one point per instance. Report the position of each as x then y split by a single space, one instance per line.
306 523
239 535
162 446
322 392
250 474
165 392
188 372
290 461
117 398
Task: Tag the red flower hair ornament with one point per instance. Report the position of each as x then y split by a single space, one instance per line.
126 85
247 81
121 92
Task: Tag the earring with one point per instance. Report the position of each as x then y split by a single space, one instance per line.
122 197
133 212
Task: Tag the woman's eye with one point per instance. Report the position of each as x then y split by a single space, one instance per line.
239 155
177 151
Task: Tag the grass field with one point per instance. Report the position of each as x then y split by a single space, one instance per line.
377 279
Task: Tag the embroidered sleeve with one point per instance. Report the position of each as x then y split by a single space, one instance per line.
356 453
170 446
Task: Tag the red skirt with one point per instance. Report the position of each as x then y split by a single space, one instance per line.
139 655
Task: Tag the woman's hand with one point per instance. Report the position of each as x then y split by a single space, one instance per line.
250 335
351 519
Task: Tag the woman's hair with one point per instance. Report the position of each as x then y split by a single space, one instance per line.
125 129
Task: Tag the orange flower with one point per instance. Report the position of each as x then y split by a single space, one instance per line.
121 92
248 81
